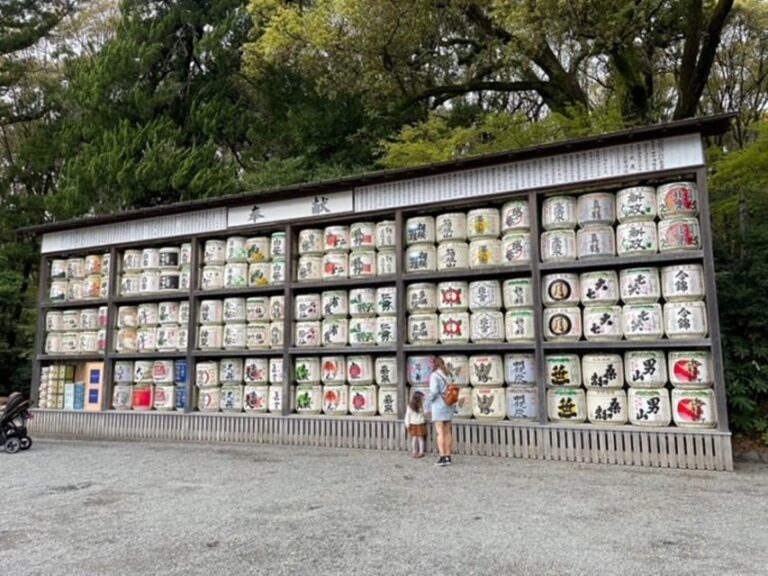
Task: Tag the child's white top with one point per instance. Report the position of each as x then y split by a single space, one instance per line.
412 417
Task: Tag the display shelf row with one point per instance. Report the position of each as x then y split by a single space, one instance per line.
621 261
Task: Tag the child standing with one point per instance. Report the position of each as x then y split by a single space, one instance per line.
416 425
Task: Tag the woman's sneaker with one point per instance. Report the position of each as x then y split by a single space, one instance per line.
442 461
448 461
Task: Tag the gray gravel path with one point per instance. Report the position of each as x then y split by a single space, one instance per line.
132 508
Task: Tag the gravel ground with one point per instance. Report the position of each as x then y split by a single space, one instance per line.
142 508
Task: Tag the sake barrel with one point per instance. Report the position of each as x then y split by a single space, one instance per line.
362 331
122 397
236 249
167 338
92 265
215 252
515 216
486 370
169 258
386 262
53 343
677 199
520 369
150 258
310 242
362 235
212 277
599 288
236 275
484 253
596 242
162 372
104 289
184 278
210 337
636 238
421 298
451 227
362 400
558 246
76 268
566 405
359 369
182 338
146 339
517 293
485 295
602 323
92 287
483 223
75 290
180 372
307 370
211 312
307 307
362 264
385 370
336 400
307 334
386 330
333 369
420 230
53 321
260 274
335 266
276 308
168 312
58 269
419 369
277 245
185 254
131 261
142 371
453 327
234 336
143 397
335 332
386 300
421 258
451 296
123 372
519 325
362 302
257 308
276 335
422 329
387 400
458 369
685 320
333 304
694 408
489 403
642 321
607 406
596 208
206 374
182 401
683 282
256 371
310 268
645 368
560 289
275 370
386 233
70 320
147 314
649 407
277 271
234 310
209 400
679 235
255 397
275 400
516 249
336 239
691 369
230 371
125 340
522 403
58 291
636 203
602 370
640 285
562 324
149 282
559 212
453 256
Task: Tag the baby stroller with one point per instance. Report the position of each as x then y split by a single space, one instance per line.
13 424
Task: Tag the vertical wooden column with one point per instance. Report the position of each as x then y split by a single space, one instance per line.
402 316
42 297
713 317
290 250
109 346
194 285
538 313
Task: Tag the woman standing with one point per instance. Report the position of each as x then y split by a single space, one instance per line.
442 414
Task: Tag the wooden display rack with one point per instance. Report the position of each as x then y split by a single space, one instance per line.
649 155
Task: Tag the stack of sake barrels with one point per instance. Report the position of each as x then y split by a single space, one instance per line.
240 384
240 262
155 270
470 312
481 380
79 331
152 327
340 385
361 250
52 381
482 227
81 278
336 318
253 323
150 384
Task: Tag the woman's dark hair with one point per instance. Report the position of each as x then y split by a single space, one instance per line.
417 401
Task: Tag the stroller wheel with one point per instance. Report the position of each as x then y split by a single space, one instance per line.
26 443
12 445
